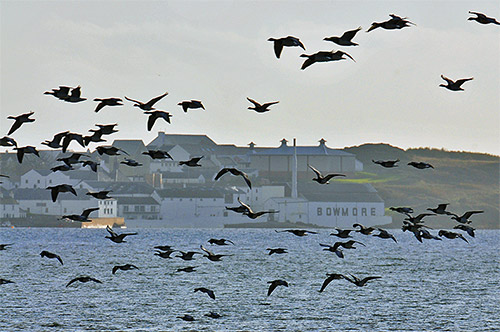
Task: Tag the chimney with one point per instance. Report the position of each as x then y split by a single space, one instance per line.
294 170
283 142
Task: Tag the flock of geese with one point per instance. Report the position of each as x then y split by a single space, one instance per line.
411 223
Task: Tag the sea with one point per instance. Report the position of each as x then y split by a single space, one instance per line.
447 285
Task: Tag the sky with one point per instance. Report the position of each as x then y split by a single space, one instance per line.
217 52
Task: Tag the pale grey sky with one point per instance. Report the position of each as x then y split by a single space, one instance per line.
217 52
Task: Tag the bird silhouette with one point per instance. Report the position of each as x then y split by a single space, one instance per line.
25 150
451 235
363 229
149 105
469 229
74 96
164 253
277 251
3 246
323 179
51 255
395 22
7 141
385 235
260 108
187 269
483 19
324 56
440 209
5 281
234 172
93 165
193 162
360 282
187 318
130 162
117 238
335 249
297 232
345 39
342 233
84 217
454 85
83 279
188 256
288 41
19 120
106 129
329 278
55 143
125 267
158 154
154 115
401 209
211 256
274 284
247 211
386 163
420 165
103 194
464 219
213 315
60 188
107 102
72 137
220 242
73 159
110 150
61 93
207 291
193 104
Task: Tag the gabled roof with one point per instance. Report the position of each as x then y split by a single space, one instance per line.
40 194
122 188
180 139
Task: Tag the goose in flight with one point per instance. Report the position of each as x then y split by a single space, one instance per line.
7 141
441 209
329 279
193 162
277 251
395 22
154 115
274 284
211 256
187 318
103 194
107 129
93 165
348 244
125 267
454 85
386 163
110 150
417 219
333 249
288 41
207 291
164 253
425 234
56 140
187 104
149 105
360 282
60 188
130 162
345 39
451 235
469 229
297 232
250 213
342 233
158 154
61 93
420 165
117 238
402 209
19 120
213 314
75 96
234 172
84 217
5 281
483 19
363 229
83 279
187 269
24 150
323 179
3 246
464 219
385 235
72 137
220 242
51 255
260 108
107 102
324 56
188 256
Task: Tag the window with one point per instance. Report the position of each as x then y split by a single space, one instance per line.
38 181
46 210
125 208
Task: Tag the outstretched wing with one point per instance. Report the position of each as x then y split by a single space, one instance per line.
278 47
253 102
348 35
266 105
155 100
318 174
135 101
447 80
221 173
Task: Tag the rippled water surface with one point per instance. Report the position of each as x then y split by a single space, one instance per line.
444 285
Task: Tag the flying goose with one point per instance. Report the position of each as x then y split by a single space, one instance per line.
187 104
441 209
274 284
386 163
464 219
19 120
323 179
211 256
110 150
158 154
345 39
207 291
385 235
234 172
84 217
277 251
469 229
149 105
193 162
83 279
395 22
103 194
335 249
51 255
324 56
154 115
56 140
483 19
360 282
125 267
451 235
107 102
454 85
24 150
60 188
74 96
297 232
117 238
342 233
329 279
7 141
61 93
288 41
420 165
220 242
260 108
363 229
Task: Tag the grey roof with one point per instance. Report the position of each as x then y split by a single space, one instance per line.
339 192
82 174
42 172
136 200
133 147
180 139
301 150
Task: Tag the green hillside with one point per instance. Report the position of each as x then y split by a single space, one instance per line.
465 180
